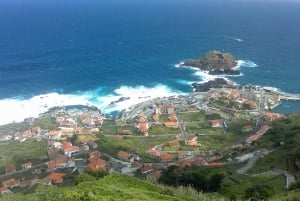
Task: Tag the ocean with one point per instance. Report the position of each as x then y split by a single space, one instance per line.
71 52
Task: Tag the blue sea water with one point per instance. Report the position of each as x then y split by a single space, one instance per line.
65 52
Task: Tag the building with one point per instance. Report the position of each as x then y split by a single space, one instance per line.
143 127
26 166
60 162
270 116
247 128
54 135
215 123
173 117
171 124
4 190
192 140
97 164
56 178
146 169
153 152
10 168
165 109
125 156
10 183
68 149
166 157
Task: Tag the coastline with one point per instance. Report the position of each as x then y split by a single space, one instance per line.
16 110
44 103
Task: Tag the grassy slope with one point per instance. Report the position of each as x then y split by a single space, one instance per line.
15 152
284 138
114 187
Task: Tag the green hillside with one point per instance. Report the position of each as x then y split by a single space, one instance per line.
284 140
113 187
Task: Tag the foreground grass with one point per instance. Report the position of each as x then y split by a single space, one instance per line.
114 187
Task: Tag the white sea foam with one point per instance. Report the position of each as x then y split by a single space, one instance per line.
16 110
246 63
137 95
179 65
184 82
234 38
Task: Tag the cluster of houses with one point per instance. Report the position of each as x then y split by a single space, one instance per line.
84 122
60 150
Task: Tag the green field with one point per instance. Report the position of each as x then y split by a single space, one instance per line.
193 116
163 118
215 138
160 130
18 153
138 145
111 127
11 129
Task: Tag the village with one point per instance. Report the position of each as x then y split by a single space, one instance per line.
214 129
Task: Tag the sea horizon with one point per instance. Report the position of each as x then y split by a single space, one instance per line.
77 53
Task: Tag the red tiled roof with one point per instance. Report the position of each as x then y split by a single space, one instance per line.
146 169
53 132
215 121
97 164
11 182
166 157
26 165
10 167
57 162
153 151
143 127
123 155
56 177
170 124
2 189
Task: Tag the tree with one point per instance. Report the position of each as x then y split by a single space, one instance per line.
84 177
259 192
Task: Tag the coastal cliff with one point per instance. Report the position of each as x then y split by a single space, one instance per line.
216 62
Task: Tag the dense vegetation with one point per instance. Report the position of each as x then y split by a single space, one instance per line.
284 139
202 179
113 188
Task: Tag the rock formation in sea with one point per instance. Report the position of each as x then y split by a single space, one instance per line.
216 62
216 83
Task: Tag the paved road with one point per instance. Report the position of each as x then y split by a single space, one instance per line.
20 171
249 164
115 160
184 134
289 177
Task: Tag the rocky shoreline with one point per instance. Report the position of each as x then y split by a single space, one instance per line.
216 83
